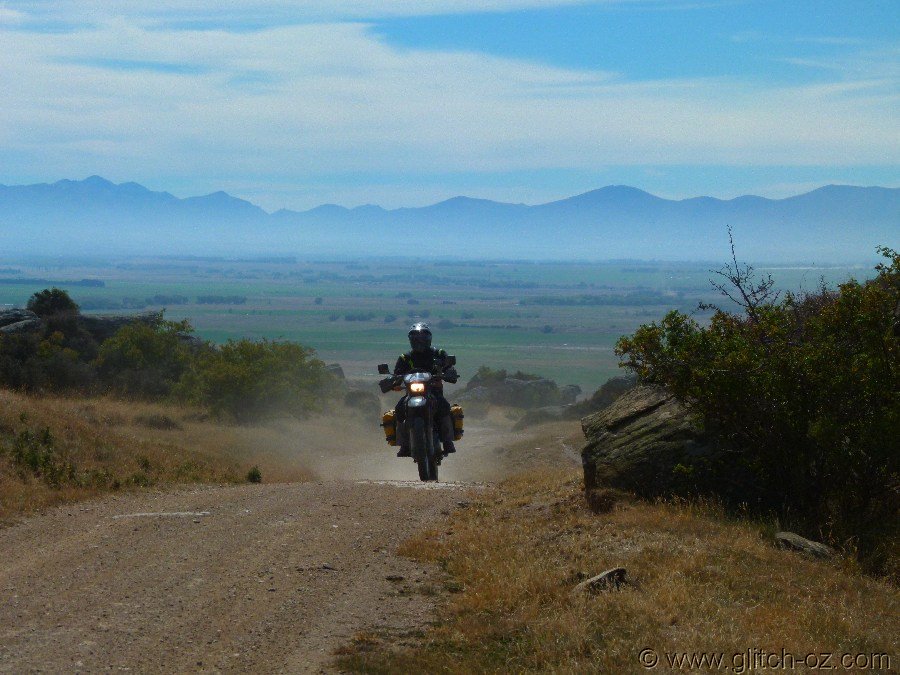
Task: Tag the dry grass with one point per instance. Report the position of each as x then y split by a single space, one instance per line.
97 445
697 582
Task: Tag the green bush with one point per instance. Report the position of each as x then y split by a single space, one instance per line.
806 391
36 454
51 301
246 380
152 358
145 359
34 363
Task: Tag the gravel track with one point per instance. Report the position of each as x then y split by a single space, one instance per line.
250 578
260 578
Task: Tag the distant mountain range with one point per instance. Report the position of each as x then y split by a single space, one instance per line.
835 223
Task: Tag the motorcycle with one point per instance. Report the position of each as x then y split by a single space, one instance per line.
419 429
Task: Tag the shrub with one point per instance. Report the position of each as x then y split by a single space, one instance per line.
145 359
359 316
35 363
51 301
246 380
254 475
804 391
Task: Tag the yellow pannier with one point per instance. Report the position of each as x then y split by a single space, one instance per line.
456 412
389 422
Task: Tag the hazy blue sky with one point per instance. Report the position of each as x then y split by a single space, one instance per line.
408 102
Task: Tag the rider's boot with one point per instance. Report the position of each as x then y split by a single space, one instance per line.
447 433
401 435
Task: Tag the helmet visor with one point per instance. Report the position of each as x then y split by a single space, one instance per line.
420 340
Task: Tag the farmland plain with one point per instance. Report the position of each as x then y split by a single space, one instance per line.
559 320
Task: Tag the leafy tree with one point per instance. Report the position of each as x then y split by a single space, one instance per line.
805 391
56 356
51 301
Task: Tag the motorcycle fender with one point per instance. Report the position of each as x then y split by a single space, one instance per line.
416 402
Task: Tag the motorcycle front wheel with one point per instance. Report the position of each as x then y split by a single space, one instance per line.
424 457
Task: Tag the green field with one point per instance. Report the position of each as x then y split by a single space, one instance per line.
560 320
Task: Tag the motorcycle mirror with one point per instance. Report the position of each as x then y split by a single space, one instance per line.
451 360
383 369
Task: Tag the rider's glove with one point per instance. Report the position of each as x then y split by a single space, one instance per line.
451 376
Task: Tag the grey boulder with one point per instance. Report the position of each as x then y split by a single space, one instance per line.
640 441
18 321
795 542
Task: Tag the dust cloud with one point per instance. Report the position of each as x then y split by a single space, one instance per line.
350 446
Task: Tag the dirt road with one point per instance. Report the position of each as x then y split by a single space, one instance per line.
255 578
252 578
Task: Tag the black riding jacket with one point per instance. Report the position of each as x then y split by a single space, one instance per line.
412 362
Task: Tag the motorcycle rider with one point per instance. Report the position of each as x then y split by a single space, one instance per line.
425 358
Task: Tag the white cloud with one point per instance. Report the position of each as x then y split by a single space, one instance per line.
315 99
278 10
863 64
10 16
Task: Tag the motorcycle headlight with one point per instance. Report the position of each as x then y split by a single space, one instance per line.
417 388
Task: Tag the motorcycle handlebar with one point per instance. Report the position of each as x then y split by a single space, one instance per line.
394 381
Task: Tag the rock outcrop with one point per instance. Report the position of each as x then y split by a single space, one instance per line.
336 370
645 442
18 321
513 392
790 540
100 327
608 393
604 397
568 394
608 580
